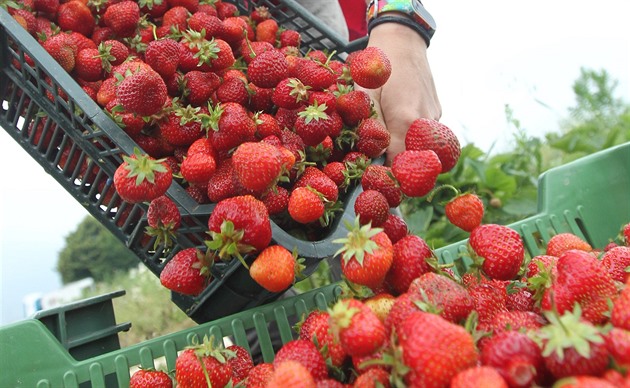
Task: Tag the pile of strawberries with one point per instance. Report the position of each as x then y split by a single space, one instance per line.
561 319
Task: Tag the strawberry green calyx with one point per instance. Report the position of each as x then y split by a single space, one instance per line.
105 55
210 121
298 90
209 347
143 167
314 112
188 114
341 315
358 241
568 331
227 243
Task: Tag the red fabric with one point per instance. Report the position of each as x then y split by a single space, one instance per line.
354 13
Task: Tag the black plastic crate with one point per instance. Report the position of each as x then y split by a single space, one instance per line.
76 142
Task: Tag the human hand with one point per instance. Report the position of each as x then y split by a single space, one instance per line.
410 92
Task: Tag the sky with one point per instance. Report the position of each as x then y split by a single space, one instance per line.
484 55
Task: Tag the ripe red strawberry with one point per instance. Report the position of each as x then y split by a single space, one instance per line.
164 220
372 378
260 99
46 6
441 295
366 255
501 249
516 357
199 86
588 382
212 25
316 328
429 134
620 316
305 205
113 53
143 93
188 272
198 168
572 346
465 211
395 228
616 261
274 268
541 262
175 17
313 124
625 234
267 69
140 178
203 365
416 171
182 126
290 373
353 106
150 378
267 125
409 262
88 65
516 320
276 201
305 352
62 49
250 49
75 16
562 242
489 299
581 279
371 206
267 31
259 375
233 90
290 93
223 184
436 353
314 74
357 328
370 68
241 364
122 18
316 179
233 127
373 137
239 225
290 38
377 177
258 165
478 376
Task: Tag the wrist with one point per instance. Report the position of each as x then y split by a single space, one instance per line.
409 13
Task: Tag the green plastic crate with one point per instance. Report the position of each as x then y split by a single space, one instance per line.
588 197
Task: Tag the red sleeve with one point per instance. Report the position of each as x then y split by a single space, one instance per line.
354 13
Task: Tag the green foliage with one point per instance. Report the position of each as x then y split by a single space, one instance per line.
92 251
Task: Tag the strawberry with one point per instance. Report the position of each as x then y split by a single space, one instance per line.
267 125
182 126
572 346
276 201
337 171
75 16
223 183
175 17
478 376
620 316
500 250
316 328
437 352
541 262
370 68
516 357
46 6
88 65
516 320
164 220
203 365
198 168
371 206
429 134
290 373
618 344
314 74
290 93
617 260
395 227
267 69
143 92
259 14
260 99
251 49
353 106
233 90
63 50
380 178
313 124
150 378
441 295
234 30
241 364
625 234
305 205
274 268
581 279
290 38
372 378
489 299
267 30
465 211
304 352
233 127
239 225
199 86
141 178
258 165
585 382
373 137
113 53
562 242
366 255
212 25
188 272
416 171
316 179
122 18
409 262
357 328
259 375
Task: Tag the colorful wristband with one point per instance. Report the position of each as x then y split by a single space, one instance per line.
413 8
